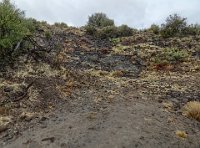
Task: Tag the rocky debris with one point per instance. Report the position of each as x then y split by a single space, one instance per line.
27 116
90 77
4 123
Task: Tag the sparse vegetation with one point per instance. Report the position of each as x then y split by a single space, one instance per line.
171 56
107 32
98 69
61 25
192 110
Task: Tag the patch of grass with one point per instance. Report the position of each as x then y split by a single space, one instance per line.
168 105
170 57
192 110
40 70
117 73
65 90
181 134
12 85
118 49
115 41
33 94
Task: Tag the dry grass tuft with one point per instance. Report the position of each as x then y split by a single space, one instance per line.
117 74
40 70
66 90
181 134
4 123
192 110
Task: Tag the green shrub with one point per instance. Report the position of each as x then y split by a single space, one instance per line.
176 55
91 30
115 41
100 26
172 56
107 32
175 26
100 20
61 25
155 29
193 29
48 35
124 31
13 29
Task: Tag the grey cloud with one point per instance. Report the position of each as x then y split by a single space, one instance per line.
135 13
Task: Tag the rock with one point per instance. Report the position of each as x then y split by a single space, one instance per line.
8 89
51 139
4 123
27 116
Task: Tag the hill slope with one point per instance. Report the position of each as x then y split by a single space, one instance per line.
103 93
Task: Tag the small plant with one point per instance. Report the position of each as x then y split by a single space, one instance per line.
124 31
117 73
171 56
175 55
192 110
107 32
90 30
181 134
115 41
61 25
48 35
155 29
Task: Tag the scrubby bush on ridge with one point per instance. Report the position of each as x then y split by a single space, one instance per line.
100 20
61 25
175 26
124 31
100 26
155 29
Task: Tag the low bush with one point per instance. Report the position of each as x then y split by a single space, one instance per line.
175 55
90 30
124 31
175 26
99 20
155 29
171 56
107 32
193 29
61 25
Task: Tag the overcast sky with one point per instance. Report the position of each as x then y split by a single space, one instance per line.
135 13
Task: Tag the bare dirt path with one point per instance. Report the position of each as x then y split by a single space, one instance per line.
123 125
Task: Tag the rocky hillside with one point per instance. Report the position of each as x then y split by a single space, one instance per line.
111 87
